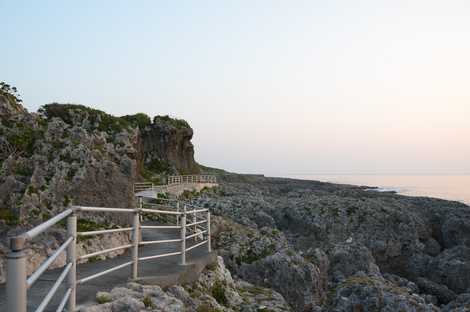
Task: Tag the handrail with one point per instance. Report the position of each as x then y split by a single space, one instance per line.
89 278
163 241
104 231
45 265
41 228
62 304
18 282
104 209
54 288
160 256
162 211
97 253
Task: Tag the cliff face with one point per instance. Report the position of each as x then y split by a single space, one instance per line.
167 146
71 154
74 154
65 154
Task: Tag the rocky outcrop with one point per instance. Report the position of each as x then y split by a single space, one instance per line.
71 154
400 242
215 290
263 257
167 146
365 293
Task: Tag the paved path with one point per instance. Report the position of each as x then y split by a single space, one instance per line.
86 292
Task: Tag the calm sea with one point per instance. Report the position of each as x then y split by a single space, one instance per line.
452 187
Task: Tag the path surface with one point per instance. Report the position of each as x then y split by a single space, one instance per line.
86 292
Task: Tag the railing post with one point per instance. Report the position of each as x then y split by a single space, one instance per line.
16 276
183 236
72 258
135 243
177 216
195 226
209 247
141 205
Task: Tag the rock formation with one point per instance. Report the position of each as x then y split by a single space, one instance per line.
343 247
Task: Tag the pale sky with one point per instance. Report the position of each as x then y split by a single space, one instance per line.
274 87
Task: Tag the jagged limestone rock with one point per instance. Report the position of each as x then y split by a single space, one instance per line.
215 290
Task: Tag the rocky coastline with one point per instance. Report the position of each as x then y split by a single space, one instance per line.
284 244
331 247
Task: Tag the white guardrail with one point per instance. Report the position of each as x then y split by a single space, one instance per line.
18 282
175 180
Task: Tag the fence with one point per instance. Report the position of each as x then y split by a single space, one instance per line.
181 179
174 180
18 282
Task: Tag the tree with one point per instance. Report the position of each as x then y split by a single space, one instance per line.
9 91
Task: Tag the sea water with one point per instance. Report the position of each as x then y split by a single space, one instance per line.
450 187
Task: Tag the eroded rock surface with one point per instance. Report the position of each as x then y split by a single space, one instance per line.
215 290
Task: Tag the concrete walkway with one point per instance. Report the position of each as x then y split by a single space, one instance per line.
162 271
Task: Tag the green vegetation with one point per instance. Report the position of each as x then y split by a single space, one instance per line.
210 170
104 122
151 177
10 92
85 225
103 298
205 307
9 218
250 256
22 140
95 259
158 166
218 292
148 302
139 120
173 122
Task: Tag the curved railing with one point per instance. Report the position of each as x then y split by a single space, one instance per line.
18 282
175 180
182 179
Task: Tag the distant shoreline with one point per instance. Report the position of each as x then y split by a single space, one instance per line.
446 187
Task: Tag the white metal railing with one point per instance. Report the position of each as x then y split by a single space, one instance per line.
18 282
174 180
182 179
142 186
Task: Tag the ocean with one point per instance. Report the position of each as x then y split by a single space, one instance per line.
451 187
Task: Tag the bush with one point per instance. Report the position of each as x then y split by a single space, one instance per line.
104 121
9 218
140 120
173 122
148 302
11 93
218 292
103 297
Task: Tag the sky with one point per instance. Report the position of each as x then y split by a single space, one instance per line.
273 87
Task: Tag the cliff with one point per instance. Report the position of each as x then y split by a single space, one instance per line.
167 146
71 153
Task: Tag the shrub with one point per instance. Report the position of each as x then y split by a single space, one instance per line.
103 297
11 93
104 121
218 292
8 217
173 122
148 302
139 120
